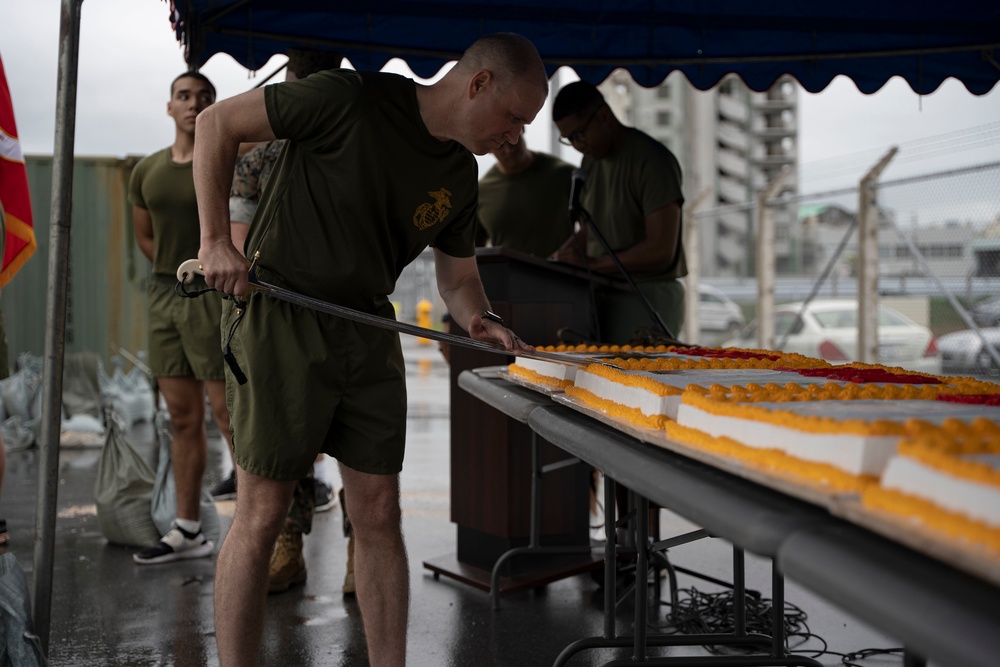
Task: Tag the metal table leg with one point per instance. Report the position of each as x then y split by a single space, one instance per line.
534 547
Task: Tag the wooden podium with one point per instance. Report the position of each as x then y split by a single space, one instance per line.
491 467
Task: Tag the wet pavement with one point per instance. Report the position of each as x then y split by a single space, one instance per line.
108 611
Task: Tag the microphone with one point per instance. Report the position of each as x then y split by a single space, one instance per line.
576 189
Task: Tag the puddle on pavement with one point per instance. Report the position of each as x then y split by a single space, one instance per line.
77 511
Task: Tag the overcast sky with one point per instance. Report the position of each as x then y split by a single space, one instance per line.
128 56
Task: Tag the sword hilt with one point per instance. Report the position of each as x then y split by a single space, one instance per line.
188 270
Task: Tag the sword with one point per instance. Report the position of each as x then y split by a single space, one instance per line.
192 267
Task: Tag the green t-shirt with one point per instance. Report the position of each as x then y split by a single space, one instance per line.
166 189
526 211
361 189
641 176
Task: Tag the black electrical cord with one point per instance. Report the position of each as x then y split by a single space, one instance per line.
697 612
867 653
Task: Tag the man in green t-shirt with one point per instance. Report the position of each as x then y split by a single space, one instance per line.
633 193
184 351
376 169
314 492
523 201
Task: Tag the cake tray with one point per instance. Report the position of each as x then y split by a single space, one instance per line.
520 381
786 484
969 557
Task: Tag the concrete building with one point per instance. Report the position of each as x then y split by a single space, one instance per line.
985 250
947 247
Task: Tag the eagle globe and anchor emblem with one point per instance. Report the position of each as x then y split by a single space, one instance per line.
428 215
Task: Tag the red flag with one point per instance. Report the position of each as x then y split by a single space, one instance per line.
20 235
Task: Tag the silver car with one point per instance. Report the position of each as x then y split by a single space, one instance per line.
828 329
717 312
963 352
987 313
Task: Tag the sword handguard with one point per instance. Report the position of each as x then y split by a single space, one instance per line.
188 270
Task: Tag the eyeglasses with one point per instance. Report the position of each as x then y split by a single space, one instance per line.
578 136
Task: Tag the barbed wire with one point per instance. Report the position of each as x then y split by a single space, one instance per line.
935 146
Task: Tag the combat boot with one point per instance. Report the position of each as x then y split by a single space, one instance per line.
288 565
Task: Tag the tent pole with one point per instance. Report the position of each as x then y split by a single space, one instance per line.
55 316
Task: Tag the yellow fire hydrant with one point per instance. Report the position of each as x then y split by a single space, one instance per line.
424 311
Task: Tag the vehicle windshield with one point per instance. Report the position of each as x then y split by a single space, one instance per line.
848 319
837 319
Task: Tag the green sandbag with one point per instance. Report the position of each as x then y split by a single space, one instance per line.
165 490
123 492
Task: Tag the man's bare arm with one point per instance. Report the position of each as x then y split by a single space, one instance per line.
220 130
462 290
142 223
663 233
573 250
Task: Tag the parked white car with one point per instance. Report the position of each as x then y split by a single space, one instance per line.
717 312
986 313
828 329
963 352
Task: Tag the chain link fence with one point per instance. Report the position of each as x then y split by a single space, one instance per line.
938 239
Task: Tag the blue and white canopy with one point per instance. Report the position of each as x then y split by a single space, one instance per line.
922 41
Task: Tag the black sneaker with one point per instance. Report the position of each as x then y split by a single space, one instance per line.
177 544
226 489
4 536
325 497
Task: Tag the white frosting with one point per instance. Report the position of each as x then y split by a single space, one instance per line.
652 404
975 499
647 402
550 369
856 454
897 410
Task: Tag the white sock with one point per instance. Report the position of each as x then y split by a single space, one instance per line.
321 472
189 526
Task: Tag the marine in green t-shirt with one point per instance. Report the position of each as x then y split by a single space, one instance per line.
185 351
408 190
633 194
523 201
312 493
164 189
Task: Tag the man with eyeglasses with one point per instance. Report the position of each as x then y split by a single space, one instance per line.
633 193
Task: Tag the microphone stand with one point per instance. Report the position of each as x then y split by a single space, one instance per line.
583 217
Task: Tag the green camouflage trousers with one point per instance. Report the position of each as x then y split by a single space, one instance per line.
300 513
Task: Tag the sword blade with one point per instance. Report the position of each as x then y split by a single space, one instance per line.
291 296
